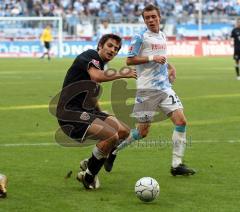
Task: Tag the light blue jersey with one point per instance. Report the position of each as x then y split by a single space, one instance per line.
151 75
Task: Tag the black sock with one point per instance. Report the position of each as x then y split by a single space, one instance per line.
111 155
94 165
237 70
89 178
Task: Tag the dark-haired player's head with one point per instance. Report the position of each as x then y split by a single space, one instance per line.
108 46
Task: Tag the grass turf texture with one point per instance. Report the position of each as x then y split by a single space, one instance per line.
210 94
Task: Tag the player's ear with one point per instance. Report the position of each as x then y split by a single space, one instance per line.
144 20
100 47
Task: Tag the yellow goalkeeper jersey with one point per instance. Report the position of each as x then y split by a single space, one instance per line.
46 35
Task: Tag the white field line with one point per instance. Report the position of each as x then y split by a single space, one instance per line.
138 143
161 124
44 106
28 144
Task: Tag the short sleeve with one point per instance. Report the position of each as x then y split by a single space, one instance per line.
135 46
94 63
93 59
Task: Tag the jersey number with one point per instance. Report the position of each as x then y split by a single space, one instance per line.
174 98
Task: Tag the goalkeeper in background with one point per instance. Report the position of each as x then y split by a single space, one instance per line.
46 39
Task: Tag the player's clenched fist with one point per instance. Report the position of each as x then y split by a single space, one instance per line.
132 73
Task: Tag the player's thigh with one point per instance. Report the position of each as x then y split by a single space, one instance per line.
170 103
122 129
106 135
146 103
178 117
101 130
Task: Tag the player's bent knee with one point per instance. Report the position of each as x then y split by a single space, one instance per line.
114 139
123 133
107 145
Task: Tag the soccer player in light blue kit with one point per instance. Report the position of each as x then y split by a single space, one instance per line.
148 52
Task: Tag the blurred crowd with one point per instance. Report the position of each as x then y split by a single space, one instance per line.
80 16
115 10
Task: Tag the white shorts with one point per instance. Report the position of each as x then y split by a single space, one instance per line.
149 103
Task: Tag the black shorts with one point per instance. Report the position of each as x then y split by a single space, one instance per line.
78 130
47 45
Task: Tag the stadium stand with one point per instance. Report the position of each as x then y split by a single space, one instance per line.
82 19
116 10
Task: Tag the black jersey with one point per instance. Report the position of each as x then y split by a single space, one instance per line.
79 69
236 37
79 72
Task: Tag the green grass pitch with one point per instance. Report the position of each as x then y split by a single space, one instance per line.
36 165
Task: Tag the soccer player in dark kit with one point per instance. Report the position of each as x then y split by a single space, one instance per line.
79 114
236 39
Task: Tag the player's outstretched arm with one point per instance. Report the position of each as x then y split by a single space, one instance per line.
103 76
136 60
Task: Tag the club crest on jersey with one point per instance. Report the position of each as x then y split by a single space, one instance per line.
85 116
96 63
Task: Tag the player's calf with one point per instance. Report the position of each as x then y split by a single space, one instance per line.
108 164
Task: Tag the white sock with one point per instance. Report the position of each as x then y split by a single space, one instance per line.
98 153
179 143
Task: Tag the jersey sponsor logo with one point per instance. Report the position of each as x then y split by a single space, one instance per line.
159 47
85 116
96 63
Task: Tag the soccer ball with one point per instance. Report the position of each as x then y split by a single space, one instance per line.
147 189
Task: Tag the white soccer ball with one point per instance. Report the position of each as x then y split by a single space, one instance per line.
147 189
